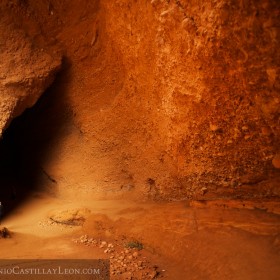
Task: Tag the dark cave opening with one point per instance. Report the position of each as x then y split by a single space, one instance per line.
29 140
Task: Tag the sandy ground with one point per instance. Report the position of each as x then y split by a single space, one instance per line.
181 240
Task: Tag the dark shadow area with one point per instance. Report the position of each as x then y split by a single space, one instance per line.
30 139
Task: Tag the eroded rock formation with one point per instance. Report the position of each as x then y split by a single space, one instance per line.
26 68
170 98
207 74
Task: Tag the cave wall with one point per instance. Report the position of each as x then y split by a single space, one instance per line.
207 75
172 99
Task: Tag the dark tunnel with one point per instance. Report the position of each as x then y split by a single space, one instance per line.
29 139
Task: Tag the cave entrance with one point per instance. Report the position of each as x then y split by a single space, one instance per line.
29 140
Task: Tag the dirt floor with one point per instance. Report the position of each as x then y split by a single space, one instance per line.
178 240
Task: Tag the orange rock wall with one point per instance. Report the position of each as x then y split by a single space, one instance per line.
171 99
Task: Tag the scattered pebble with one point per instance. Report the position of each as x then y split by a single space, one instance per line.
124 262
214 127
276 161
245 128
266 131
103 244
204 190
4 233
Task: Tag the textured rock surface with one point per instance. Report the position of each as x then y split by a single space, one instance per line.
207 73
235 50
173 99
26 69
160 99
